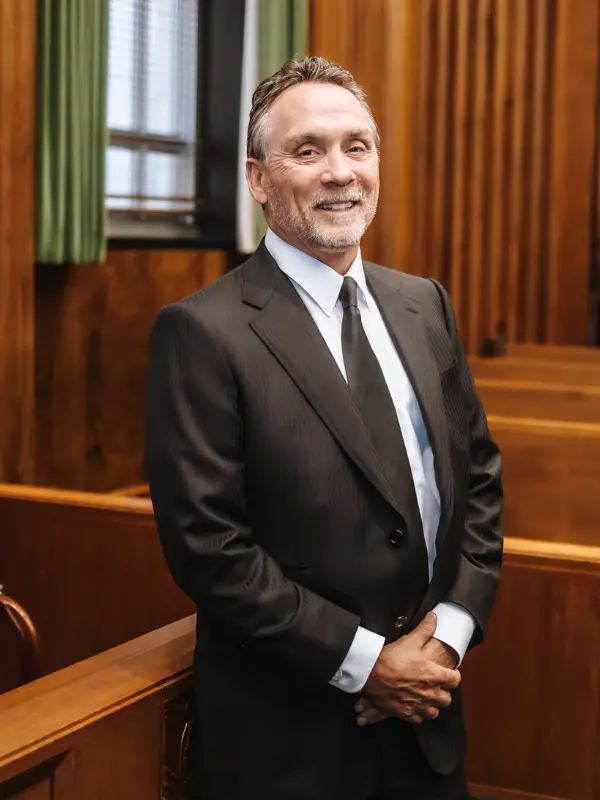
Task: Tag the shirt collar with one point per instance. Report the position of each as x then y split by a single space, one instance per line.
318 280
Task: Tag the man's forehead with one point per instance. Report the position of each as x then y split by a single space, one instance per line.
320 109
311 99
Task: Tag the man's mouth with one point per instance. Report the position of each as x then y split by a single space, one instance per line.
337 206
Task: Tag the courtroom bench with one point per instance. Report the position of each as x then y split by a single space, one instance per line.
536 370
551 476
539 400
554 352
88 568
113 726
531 693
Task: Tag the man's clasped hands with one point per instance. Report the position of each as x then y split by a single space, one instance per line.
411 678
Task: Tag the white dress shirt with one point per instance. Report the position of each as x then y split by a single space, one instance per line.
319 287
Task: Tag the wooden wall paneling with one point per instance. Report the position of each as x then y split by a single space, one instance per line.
518 187
399 136
92 328
573 131
479 213
460 205
500 155
537 252
17 110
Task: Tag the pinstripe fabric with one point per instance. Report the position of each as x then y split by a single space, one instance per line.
275 517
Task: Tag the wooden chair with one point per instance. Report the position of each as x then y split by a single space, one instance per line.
30 655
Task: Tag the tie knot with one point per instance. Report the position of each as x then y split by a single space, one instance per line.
348 293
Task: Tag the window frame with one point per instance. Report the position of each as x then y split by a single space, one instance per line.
220 47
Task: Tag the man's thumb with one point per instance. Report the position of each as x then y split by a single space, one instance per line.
426 628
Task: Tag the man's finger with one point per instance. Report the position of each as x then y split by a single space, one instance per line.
448 678
370 716
425 629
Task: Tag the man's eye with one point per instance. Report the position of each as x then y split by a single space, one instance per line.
357 149
307 152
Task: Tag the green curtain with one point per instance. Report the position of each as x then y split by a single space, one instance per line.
282 34
71 130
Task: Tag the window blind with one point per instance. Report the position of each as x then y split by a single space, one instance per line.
153 107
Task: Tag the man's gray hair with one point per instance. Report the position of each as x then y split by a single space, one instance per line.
310 69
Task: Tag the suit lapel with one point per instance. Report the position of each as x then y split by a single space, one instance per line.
287 329
405 323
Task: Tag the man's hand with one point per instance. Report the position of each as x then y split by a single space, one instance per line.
408 681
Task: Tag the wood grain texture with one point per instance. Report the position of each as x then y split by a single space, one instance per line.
532 690
87 568
17 110
550 479
92 329
102 727
487 182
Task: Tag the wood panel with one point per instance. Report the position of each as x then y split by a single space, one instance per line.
548 401
550 478
532 690
88 569
111 726
568 373
487 183
17 108
92 328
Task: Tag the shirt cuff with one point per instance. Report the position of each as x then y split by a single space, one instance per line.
360 660
455 627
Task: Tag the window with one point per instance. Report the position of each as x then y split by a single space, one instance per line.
152 157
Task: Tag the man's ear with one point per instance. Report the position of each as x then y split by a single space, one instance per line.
255 177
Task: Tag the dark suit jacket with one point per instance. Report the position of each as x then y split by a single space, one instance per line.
275 518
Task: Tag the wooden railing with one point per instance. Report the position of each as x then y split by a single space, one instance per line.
111 726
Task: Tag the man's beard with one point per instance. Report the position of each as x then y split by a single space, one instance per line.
304 225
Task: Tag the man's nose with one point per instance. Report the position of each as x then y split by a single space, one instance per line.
338 170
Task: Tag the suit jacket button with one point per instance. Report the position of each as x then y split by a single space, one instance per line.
400 623
395 538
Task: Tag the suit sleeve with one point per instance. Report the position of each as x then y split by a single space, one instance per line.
481 548
195 456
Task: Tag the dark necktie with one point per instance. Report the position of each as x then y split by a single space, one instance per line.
372 396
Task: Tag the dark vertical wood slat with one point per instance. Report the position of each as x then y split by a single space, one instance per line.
478 179
516 232
459 188
397 210
439 233
539 134
573 127
425 111
496 257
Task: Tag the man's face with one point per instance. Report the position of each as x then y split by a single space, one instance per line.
320 184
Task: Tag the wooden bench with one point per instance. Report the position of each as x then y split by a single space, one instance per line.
531 693
551 479
529 399
88 569
555 352
532 689
569 373
113 726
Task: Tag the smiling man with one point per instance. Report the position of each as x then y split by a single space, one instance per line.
324 482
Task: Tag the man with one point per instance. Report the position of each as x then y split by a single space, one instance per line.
323 478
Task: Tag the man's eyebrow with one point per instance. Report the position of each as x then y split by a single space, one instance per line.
311 136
